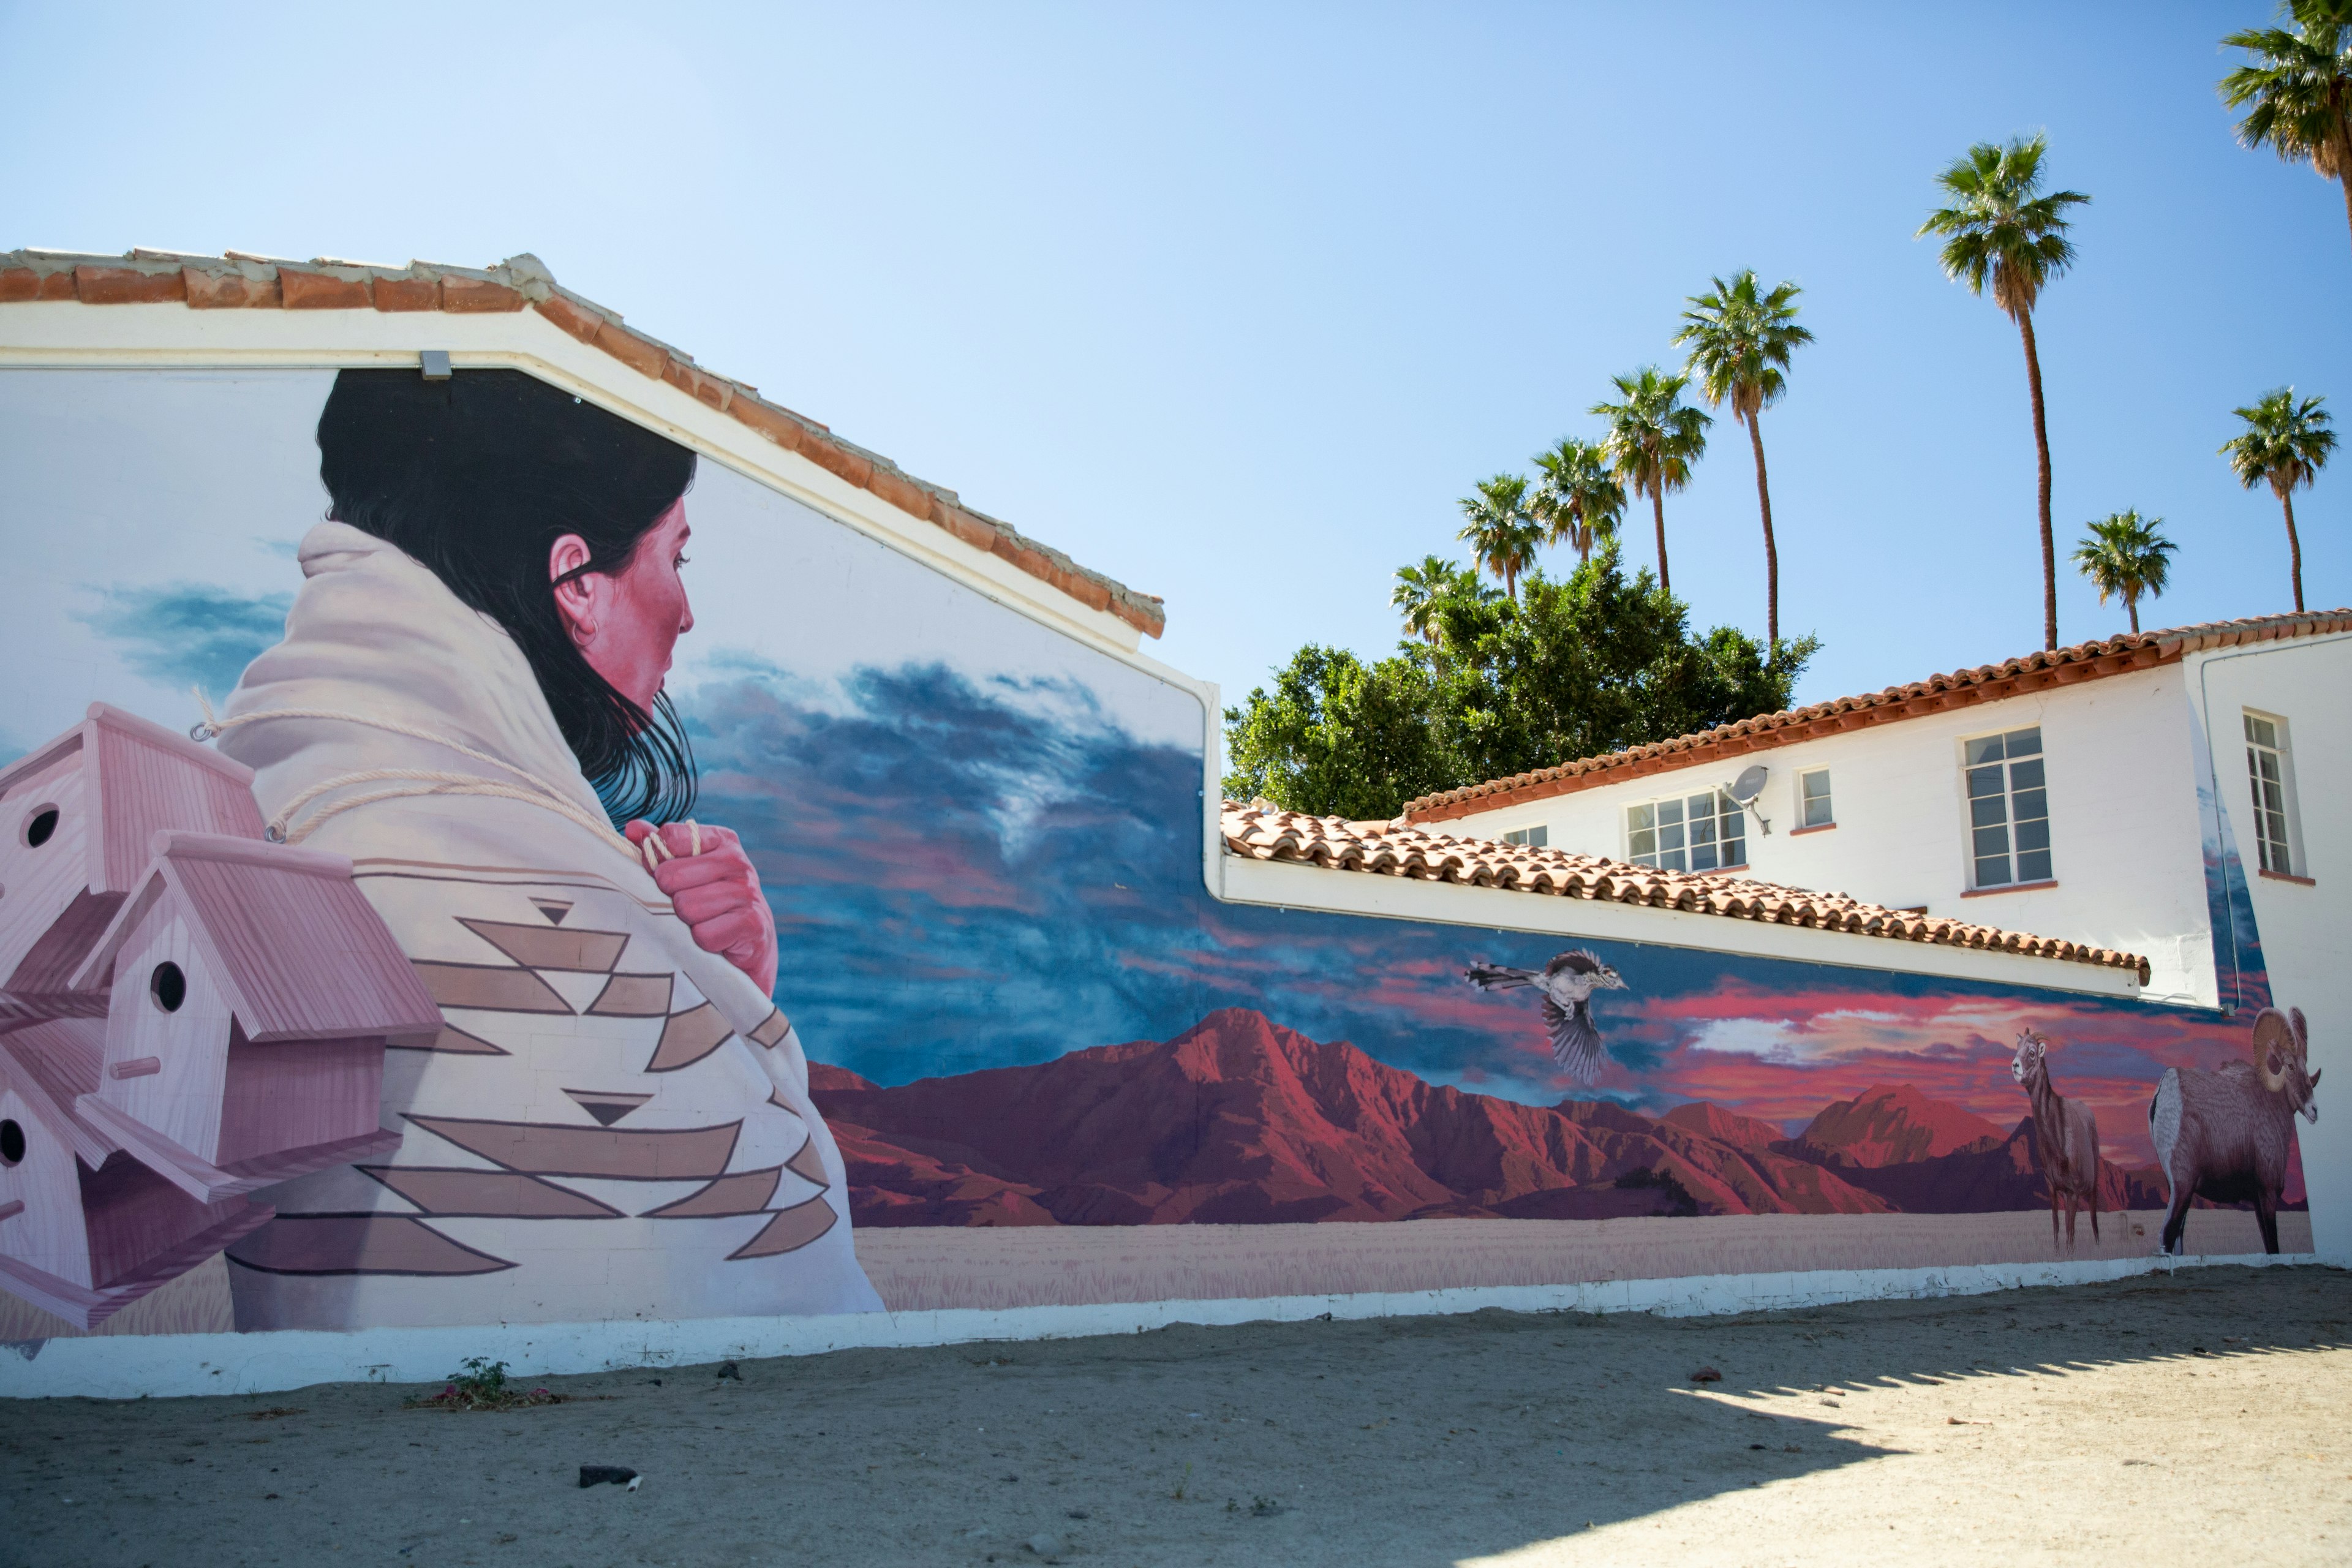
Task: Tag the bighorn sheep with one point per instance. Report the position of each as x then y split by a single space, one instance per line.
2228 1134
2065 1135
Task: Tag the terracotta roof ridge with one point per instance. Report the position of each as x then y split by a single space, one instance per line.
2098 658
1400 848
242 281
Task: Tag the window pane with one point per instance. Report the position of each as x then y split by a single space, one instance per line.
2262 732
1537 837
1702 855
1734 849
1701 828
2030 803
2032 836
2033 866
1669 811
2024 742
1641 817
1672 859
1994 871
1670 840
1992 841
1984 781
1985 749
1642 844
1816 788
2025 775
1985 813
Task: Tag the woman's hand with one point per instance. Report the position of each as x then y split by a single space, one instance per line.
717 894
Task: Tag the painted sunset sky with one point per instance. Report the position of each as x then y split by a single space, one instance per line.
983 841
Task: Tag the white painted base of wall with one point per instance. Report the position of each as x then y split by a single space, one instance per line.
132 1366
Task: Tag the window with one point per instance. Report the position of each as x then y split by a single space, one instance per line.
1701 832
2009 808
1813 799
2266 771
1532 837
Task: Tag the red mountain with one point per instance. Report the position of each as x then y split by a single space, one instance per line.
1892 1127
1238 1119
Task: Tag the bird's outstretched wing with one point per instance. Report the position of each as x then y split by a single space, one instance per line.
1494 977
1575 1042
1578 961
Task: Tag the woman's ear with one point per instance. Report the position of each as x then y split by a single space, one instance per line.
575 595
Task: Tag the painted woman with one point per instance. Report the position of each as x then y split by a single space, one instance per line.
615 1121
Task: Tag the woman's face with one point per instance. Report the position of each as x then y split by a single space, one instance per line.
626 624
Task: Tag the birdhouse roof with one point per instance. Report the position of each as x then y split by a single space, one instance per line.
297 948
143 776
52 1063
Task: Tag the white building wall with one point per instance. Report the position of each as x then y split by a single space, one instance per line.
2307 682
2125 831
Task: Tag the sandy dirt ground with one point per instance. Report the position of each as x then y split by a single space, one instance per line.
2196 1416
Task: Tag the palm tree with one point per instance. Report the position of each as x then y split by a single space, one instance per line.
2285 442
1653 441
1501 535
1741 342
2127 556
1998 229
1577 501
2297 89
1419 591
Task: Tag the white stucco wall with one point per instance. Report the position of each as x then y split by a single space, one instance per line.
2125 834
2307 682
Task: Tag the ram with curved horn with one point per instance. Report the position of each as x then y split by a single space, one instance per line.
2228 1134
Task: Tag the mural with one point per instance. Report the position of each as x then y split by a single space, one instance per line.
916 1001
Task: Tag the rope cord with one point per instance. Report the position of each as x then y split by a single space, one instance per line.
414 782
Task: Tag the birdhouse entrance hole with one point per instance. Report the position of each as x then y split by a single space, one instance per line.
169 986
41 826
12 1143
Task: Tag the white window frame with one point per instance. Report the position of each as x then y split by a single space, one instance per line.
1726 810
1828 793
2268 851
1534 835
2011 790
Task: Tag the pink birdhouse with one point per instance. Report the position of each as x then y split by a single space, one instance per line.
251 990
76 816
187 1013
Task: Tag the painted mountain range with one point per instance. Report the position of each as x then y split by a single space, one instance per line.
1239 1121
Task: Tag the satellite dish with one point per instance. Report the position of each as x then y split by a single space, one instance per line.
1746 787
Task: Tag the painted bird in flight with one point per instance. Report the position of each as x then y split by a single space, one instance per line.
1567 983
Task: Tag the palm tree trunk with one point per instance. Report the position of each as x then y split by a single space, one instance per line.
2131 608
1771 553
2041 453
2294 548
1658 506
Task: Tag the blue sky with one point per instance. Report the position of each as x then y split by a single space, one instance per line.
1233 307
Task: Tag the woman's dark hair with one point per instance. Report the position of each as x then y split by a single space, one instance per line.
478 476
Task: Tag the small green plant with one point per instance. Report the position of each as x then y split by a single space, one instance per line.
1183 1482
482 1384
1264 1507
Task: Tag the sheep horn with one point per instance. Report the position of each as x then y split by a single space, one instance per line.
2273 1042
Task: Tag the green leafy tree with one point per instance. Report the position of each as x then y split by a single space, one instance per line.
2296 89
2284 445
1653 441
1502 537
1577 501
2127 555
1573 668
1337 737
1740 337
2001 232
